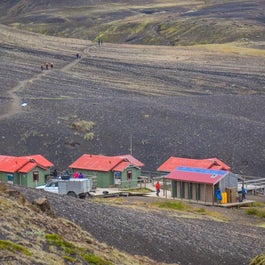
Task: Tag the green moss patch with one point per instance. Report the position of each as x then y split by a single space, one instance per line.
14 248
254 211
74 252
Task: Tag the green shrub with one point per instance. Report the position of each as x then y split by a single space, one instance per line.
258 260
89 136
201 210
94 260
180 206
83 125
255 211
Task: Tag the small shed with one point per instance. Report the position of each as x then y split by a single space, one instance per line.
201 184
28 171
110 171
209 163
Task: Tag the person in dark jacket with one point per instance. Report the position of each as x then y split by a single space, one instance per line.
218 195
243 190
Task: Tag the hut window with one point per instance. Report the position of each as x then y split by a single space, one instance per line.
35 176
129 175
117 178
10 178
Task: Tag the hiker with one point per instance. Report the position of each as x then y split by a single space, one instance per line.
218 195
157 188
51 65
75 175
41 67
47 66
80 176
243 190
77 56
55 173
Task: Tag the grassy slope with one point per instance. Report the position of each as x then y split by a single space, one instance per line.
149 22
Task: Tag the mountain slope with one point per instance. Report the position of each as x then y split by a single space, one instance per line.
197 102
141 22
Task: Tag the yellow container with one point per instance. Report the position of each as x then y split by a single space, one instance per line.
224 198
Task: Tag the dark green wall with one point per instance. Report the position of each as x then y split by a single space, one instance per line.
106 179
26 179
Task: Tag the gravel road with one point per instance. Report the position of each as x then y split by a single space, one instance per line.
161 235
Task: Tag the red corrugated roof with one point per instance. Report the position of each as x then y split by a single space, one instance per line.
220 163
174 162
105 163
96 162
40 160
23 164
121 166
204 176
133 160
28 167
11 164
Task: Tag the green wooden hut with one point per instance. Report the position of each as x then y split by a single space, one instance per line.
28 171
109 171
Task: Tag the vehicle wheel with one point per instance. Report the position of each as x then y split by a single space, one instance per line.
88 195
72 194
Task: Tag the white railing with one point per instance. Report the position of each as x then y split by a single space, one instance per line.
253 185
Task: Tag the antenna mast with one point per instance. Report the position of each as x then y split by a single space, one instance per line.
131 144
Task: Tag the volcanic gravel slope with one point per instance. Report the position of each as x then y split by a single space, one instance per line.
161 235
173 101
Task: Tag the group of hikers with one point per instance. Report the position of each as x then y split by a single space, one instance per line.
77 175
46 66
66 172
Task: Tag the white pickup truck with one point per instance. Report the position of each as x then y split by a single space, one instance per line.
73 187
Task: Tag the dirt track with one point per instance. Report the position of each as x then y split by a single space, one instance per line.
162 235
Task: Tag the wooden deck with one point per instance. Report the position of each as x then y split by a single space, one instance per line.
235 204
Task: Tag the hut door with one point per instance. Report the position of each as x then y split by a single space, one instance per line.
174 189
190 191
182 190
198 192
129 175
35 176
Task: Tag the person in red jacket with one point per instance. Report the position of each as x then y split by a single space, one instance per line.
157 188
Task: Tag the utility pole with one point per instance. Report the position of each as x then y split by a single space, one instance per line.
131 144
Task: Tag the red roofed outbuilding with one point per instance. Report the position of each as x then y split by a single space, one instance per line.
28 171
109 171
209 163
200 184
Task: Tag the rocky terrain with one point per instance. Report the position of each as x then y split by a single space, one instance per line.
172 78
195 102
133 225
32 233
